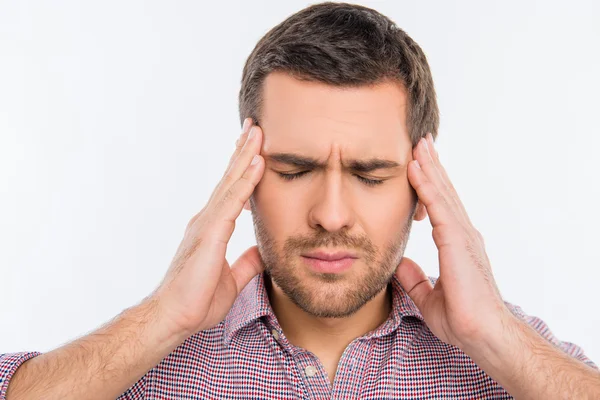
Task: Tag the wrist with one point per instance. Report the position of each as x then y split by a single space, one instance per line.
499 347
108 360
504 352
160 328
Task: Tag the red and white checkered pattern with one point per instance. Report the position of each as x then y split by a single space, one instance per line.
247 356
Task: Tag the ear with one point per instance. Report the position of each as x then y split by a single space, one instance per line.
247 205
420 212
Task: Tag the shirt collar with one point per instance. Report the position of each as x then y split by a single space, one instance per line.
253 303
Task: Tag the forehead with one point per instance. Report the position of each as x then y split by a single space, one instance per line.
313 117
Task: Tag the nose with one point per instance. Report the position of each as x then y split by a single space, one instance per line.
332 208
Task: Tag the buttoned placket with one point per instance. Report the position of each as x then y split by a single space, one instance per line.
316 383
309 367
350 369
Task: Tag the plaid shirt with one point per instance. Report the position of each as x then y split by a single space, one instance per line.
247 356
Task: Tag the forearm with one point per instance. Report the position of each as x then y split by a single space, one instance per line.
103 364
530 367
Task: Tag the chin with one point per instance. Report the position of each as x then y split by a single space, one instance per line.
330 295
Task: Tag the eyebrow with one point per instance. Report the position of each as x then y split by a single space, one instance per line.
297 160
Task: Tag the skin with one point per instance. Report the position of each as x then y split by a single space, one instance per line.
332 208
464 308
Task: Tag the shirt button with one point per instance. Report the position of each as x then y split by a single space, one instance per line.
275 334
310 371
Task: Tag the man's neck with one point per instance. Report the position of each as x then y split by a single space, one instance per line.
326 334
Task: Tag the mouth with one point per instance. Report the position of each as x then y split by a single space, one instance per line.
329 263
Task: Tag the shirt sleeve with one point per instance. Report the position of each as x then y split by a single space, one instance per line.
540 326
8 365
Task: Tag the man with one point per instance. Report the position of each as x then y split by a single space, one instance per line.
335 160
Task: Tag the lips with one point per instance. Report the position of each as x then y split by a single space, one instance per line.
329 262
328 256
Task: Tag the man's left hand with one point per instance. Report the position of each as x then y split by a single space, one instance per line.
464 306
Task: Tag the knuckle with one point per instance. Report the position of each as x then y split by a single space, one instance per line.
193 220
437 235
190 224
218 206
442 235
227 195
246 182
228 178
425 187
244 188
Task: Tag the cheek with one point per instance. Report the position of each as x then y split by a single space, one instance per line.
385 213
278 207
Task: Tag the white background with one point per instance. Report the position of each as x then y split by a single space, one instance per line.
118 118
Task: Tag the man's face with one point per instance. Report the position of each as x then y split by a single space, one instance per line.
336 206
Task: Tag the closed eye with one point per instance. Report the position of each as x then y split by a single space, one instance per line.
366 181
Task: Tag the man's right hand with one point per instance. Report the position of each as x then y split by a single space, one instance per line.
200 287
196 294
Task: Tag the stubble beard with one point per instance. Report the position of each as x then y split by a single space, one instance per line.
327 295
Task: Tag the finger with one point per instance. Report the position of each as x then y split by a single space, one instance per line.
246 267
445 179
239 144
440 212
230 204
423 154
240 164
414 281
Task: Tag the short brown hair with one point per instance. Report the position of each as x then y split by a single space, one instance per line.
344 45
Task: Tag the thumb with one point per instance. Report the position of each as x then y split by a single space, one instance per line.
246 267
414 281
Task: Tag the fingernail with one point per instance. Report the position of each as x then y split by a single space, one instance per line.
425 144
252 133
255 159
246 125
